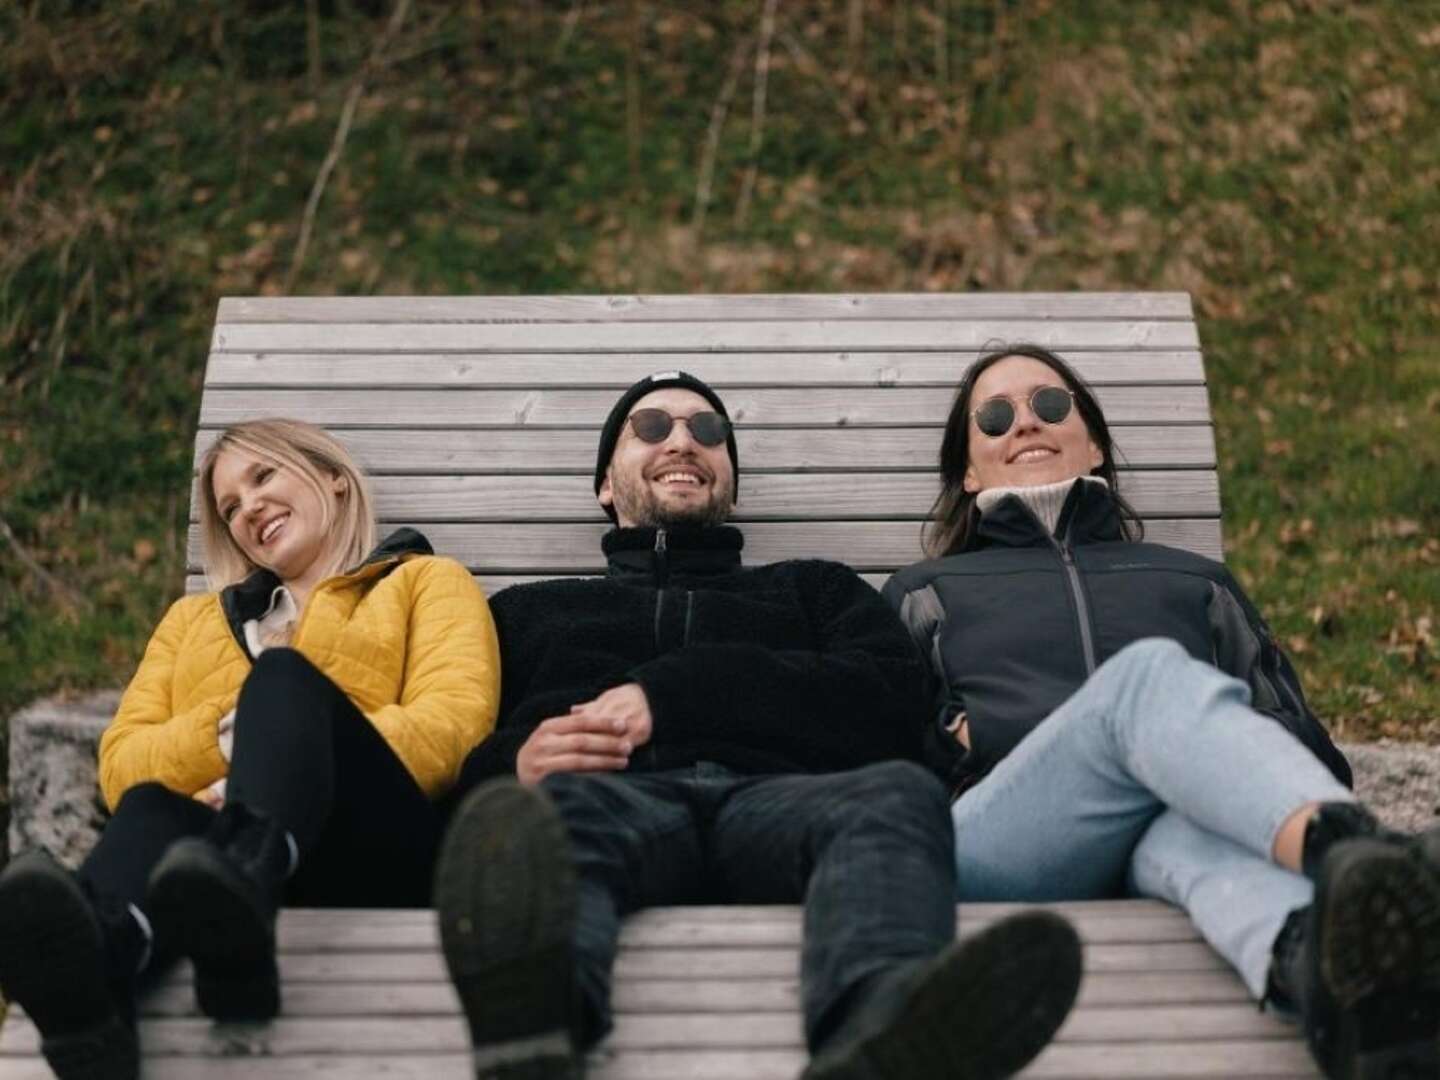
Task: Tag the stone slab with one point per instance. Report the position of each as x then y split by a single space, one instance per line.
55 801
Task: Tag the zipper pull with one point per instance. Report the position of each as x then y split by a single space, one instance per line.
660 541
662 562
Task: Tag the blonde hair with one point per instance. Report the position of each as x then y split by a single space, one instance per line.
317 458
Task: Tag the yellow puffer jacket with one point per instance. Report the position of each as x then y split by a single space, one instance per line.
408 637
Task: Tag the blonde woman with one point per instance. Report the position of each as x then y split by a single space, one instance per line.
283 740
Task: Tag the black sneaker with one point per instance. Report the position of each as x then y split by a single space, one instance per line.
53 963
981 1010
505 894
215 898
1365 970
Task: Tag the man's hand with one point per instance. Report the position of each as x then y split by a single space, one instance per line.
596 736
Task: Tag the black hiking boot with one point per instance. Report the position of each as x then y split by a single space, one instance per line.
70 964
216 897
505 894
980 1010
1361 964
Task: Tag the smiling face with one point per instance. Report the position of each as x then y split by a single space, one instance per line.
675 481
1032 452
275 516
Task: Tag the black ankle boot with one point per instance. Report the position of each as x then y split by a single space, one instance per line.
1332 823
216 897
979 1010
1361 965
70 963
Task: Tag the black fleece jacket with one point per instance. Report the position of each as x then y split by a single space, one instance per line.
1015 623
794 667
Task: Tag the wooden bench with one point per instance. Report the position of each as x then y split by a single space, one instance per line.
478 419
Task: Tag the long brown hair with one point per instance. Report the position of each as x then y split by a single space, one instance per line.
953 517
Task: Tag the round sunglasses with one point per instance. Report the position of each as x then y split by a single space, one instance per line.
1051 404
654 425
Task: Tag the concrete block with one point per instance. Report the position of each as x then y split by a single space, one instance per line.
54 796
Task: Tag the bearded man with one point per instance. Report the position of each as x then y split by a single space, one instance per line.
688 729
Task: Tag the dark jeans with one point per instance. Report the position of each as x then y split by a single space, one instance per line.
869 853
306 757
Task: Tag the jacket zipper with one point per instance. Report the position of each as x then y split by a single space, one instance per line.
1082 610
661 574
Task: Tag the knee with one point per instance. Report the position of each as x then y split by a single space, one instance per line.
283 665
148 798
895 794
1144 661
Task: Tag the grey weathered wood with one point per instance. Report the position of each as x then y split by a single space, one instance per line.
848 406
640 337
709 307
618 370
540 451
866 545
841 496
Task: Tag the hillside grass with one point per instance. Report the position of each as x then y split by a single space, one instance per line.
1276 159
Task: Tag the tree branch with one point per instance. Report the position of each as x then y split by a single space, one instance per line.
757 114
718 112
64 593
342 132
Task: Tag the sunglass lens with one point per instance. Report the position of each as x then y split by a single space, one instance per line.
651 425
1051 404
995 417
709 428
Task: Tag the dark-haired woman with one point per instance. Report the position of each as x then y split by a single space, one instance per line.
1115 716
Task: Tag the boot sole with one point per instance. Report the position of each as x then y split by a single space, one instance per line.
196 897
505 895
52 956
1380 925
988 1007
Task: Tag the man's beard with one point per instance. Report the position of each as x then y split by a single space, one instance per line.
638 503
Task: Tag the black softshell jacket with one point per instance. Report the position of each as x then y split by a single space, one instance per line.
1014 624
794 667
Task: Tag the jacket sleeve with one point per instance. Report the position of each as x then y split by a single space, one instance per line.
852 695
451 683
921 613
147 742
1245 648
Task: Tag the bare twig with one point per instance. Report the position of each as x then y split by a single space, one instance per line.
312 44
718 112
567 29
757 114
67 596
633 42
342 132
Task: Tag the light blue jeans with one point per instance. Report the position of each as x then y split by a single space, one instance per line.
1158 775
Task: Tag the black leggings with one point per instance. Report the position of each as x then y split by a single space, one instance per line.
306 757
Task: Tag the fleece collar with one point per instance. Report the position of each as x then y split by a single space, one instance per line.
686 549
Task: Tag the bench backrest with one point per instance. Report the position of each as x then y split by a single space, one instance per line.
478 417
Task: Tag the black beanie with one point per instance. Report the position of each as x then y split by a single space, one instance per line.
610 433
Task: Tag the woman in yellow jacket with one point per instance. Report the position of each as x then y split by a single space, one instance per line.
284 739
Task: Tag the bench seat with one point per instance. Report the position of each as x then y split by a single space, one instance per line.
478 418
701 993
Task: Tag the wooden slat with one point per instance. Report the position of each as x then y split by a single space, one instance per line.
769 407
761 449
845 496
617 370
685 927
864 545
698 994
641 337
708 307
1210 1061
640 1031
